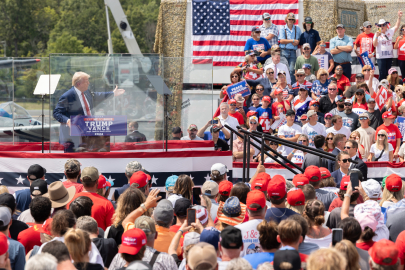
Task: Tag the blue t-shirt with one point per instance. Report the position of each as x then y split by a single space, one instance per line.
311 37
261 110
23 199
253 108
320 89
16 253
278 214
258 258
263 44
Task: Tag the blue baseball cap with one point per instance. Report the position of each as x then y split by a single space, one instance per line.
171 181
210 236
306 66
256 29
232 207
111 182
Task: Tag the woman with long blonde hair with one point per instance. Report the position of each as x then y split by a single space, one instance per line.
350 252
329 145
393 78
130 200
381 150
393 190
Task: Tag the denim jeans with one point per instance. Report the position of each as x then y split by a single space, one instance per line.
291 56
383 66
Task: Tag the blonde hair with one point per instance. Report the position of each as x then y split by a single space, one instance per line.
78 243
389 195
184 186
314 212
365 67
297 209
356 133
3 189
349 251
385 142
78 76
397 81
130 200
320 72
326 259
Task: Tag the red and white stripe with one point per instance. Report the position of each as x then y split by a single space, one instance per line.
227 50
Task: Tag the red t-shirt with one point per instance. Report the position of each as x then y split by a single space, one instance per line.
68 184
401 51
365 42
30 237
393 134
337 202
102 210
274 108
238 116
365 245
175 228
344 81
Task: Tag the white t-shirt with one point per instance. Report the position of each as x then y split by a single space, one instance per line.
323 242
271 160
384 47
298 157
377 152
344 130
289 132
250 237
230 121
187 138
312 131
374 84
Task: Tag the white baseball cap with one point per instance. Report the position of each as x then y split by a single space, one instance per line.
372 188
219 167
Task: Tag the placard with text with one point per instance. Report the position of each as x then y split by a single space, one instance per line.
106 125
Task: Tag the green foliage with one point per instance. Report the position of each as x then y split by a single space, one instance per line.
35 28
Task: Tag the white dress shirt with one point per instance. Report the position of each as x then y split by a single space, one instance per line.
79 93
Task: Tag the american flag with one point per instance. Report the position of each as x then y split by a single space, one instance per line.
221 28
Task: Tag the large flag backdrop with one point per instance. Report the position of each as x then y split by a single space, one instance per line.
221 28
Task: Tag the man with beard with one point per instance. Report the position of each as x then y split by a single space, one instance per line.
307 58
350 119
269 30
192 134
340 102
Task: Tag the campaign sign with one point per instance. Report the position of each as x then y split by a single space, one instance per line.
364 60
401 125
382 96
238 88
105 125
323 61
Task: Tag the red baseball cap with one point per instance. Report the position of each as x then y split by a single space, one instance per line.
266 98
393 182
313 173
278 91
231 101
132 241
325 173
225 187
279 177
277 187
102 182
46 227
251 113
384 252
345 181
4 243
388 115
255 196
300 180
259 184
313 102
295 197
140 178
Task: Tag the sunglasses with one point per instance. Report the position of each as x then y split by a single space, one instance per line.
303 90
300 75
307 49
332 89
352 137
303 120
303 141
381 25
363 118
308 22
381 135
273 143
253 123
328 118
259 89
268 19
235 76
348 104
291 19
394 72
371 102
369 26
347 147
232 105
339 69
345 160
315 105
329 139
366 69
268 73
324 74
359 94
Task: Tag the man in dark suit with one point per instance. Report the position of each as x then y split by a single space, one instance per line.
311 159
351 147
78 100
135 135
339 141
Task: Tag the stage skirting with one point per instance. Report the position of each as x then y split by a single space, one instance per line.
376 170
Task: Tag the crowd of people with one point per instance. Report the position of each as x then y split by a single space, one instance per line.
266 223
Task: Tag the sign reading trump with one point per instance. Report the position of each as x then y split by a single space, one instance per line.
82 125
238 88
365 60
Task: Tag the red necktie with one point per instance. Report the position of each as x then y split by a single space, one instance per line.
86 105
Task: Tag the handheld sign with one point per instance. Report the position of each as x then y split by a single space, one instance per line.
238 88
382 96
323 61
401 125
114 125
364 60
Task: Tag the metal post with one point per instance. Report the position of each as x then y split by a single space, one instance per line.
248 159
110 47
244 157
165 118
43 138
231 141
262 150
